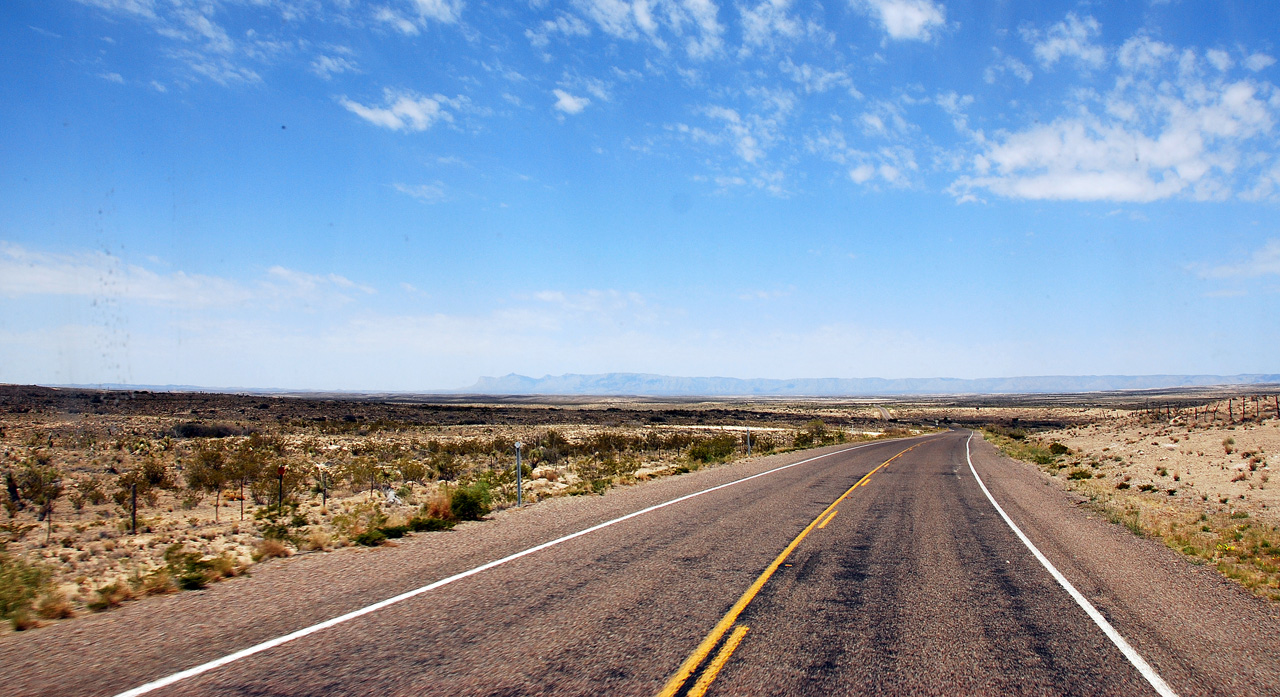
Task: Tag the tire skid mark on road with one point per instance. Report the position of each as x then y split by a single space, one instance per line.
1157 683
306 631
717 634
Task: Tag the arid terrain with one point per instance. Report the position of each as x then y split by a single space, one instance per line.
112 496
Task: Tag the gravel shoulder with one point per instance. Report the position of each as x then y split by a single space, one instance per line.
1201 632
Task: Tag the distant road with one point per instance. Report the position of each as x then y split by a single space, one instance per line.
884 413
911 583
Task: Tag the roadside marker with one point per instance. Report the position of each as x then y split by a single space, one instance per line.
306 631
1161 687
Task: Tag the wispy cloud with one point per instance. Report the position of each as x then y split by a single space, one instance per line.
102 276
427 193
405 110
1263 262
327 66
1071 38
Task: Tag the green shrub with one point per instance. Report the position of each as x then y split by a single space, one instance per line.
716 449
371 538
1056 448
1080 473
21 582
395 531
428 524
471 502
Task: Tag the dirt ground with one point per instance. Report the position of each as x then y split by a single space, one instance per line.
352 465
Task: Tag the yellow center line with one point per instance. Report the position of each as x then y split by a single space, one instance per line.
704 649
709 675
823 524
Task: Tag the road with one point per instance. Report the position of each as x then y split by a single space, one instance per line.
911 583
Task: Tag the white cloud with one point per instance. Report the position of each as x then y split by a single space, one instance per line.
1219 59
568 103
862 173
907 19
1142 53
1070 38
142 8
112 77
565 25
694 22
1146 145
1258 62
1006 64
427 193
767 21
401 23
405 110
814 78
1263 262
328 66
101 276
447 11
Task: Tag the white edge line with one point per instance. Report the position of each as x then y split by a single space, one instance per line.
272 643
1161 687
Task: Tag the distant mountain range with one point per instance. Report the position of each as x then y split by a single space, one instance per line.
644 384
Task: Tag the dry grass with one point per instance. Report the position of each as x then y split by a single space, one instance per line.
1238 545
269 549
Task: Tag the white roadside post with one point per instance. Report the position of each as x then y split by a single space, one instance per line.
519 476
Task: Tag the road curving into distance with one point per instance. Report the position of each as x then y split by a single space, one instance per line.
877 569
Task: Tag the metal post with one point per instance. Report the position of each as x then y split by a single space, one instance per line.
280 497
748 441
519 477
133 497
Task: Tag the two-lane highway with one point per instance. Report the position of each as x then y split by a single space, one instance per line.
880 569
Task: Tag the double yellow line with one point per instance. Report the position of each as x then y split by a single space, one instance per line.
700 654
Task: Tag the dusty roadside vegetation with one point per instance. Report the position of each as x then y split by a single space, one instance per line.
1196 474
114 496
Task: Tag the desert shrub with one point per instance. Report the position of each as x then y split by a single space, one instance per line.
362 518
317 541
158 582
1056 448
370 538
1080 473
429 524
438 506
87 491
395 532
109 596
192 571
446 466
470 502
1007 432
21 582
269 548
55 606
717 449
280 522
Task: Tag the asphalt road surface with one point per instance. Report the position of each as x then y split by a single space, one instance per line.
787 583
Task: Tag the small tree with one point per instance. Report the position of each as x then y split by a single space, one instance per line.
248 463
41 484
144 480
209 472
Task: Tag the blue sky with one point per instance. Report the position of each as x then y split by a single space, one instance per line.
409 194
